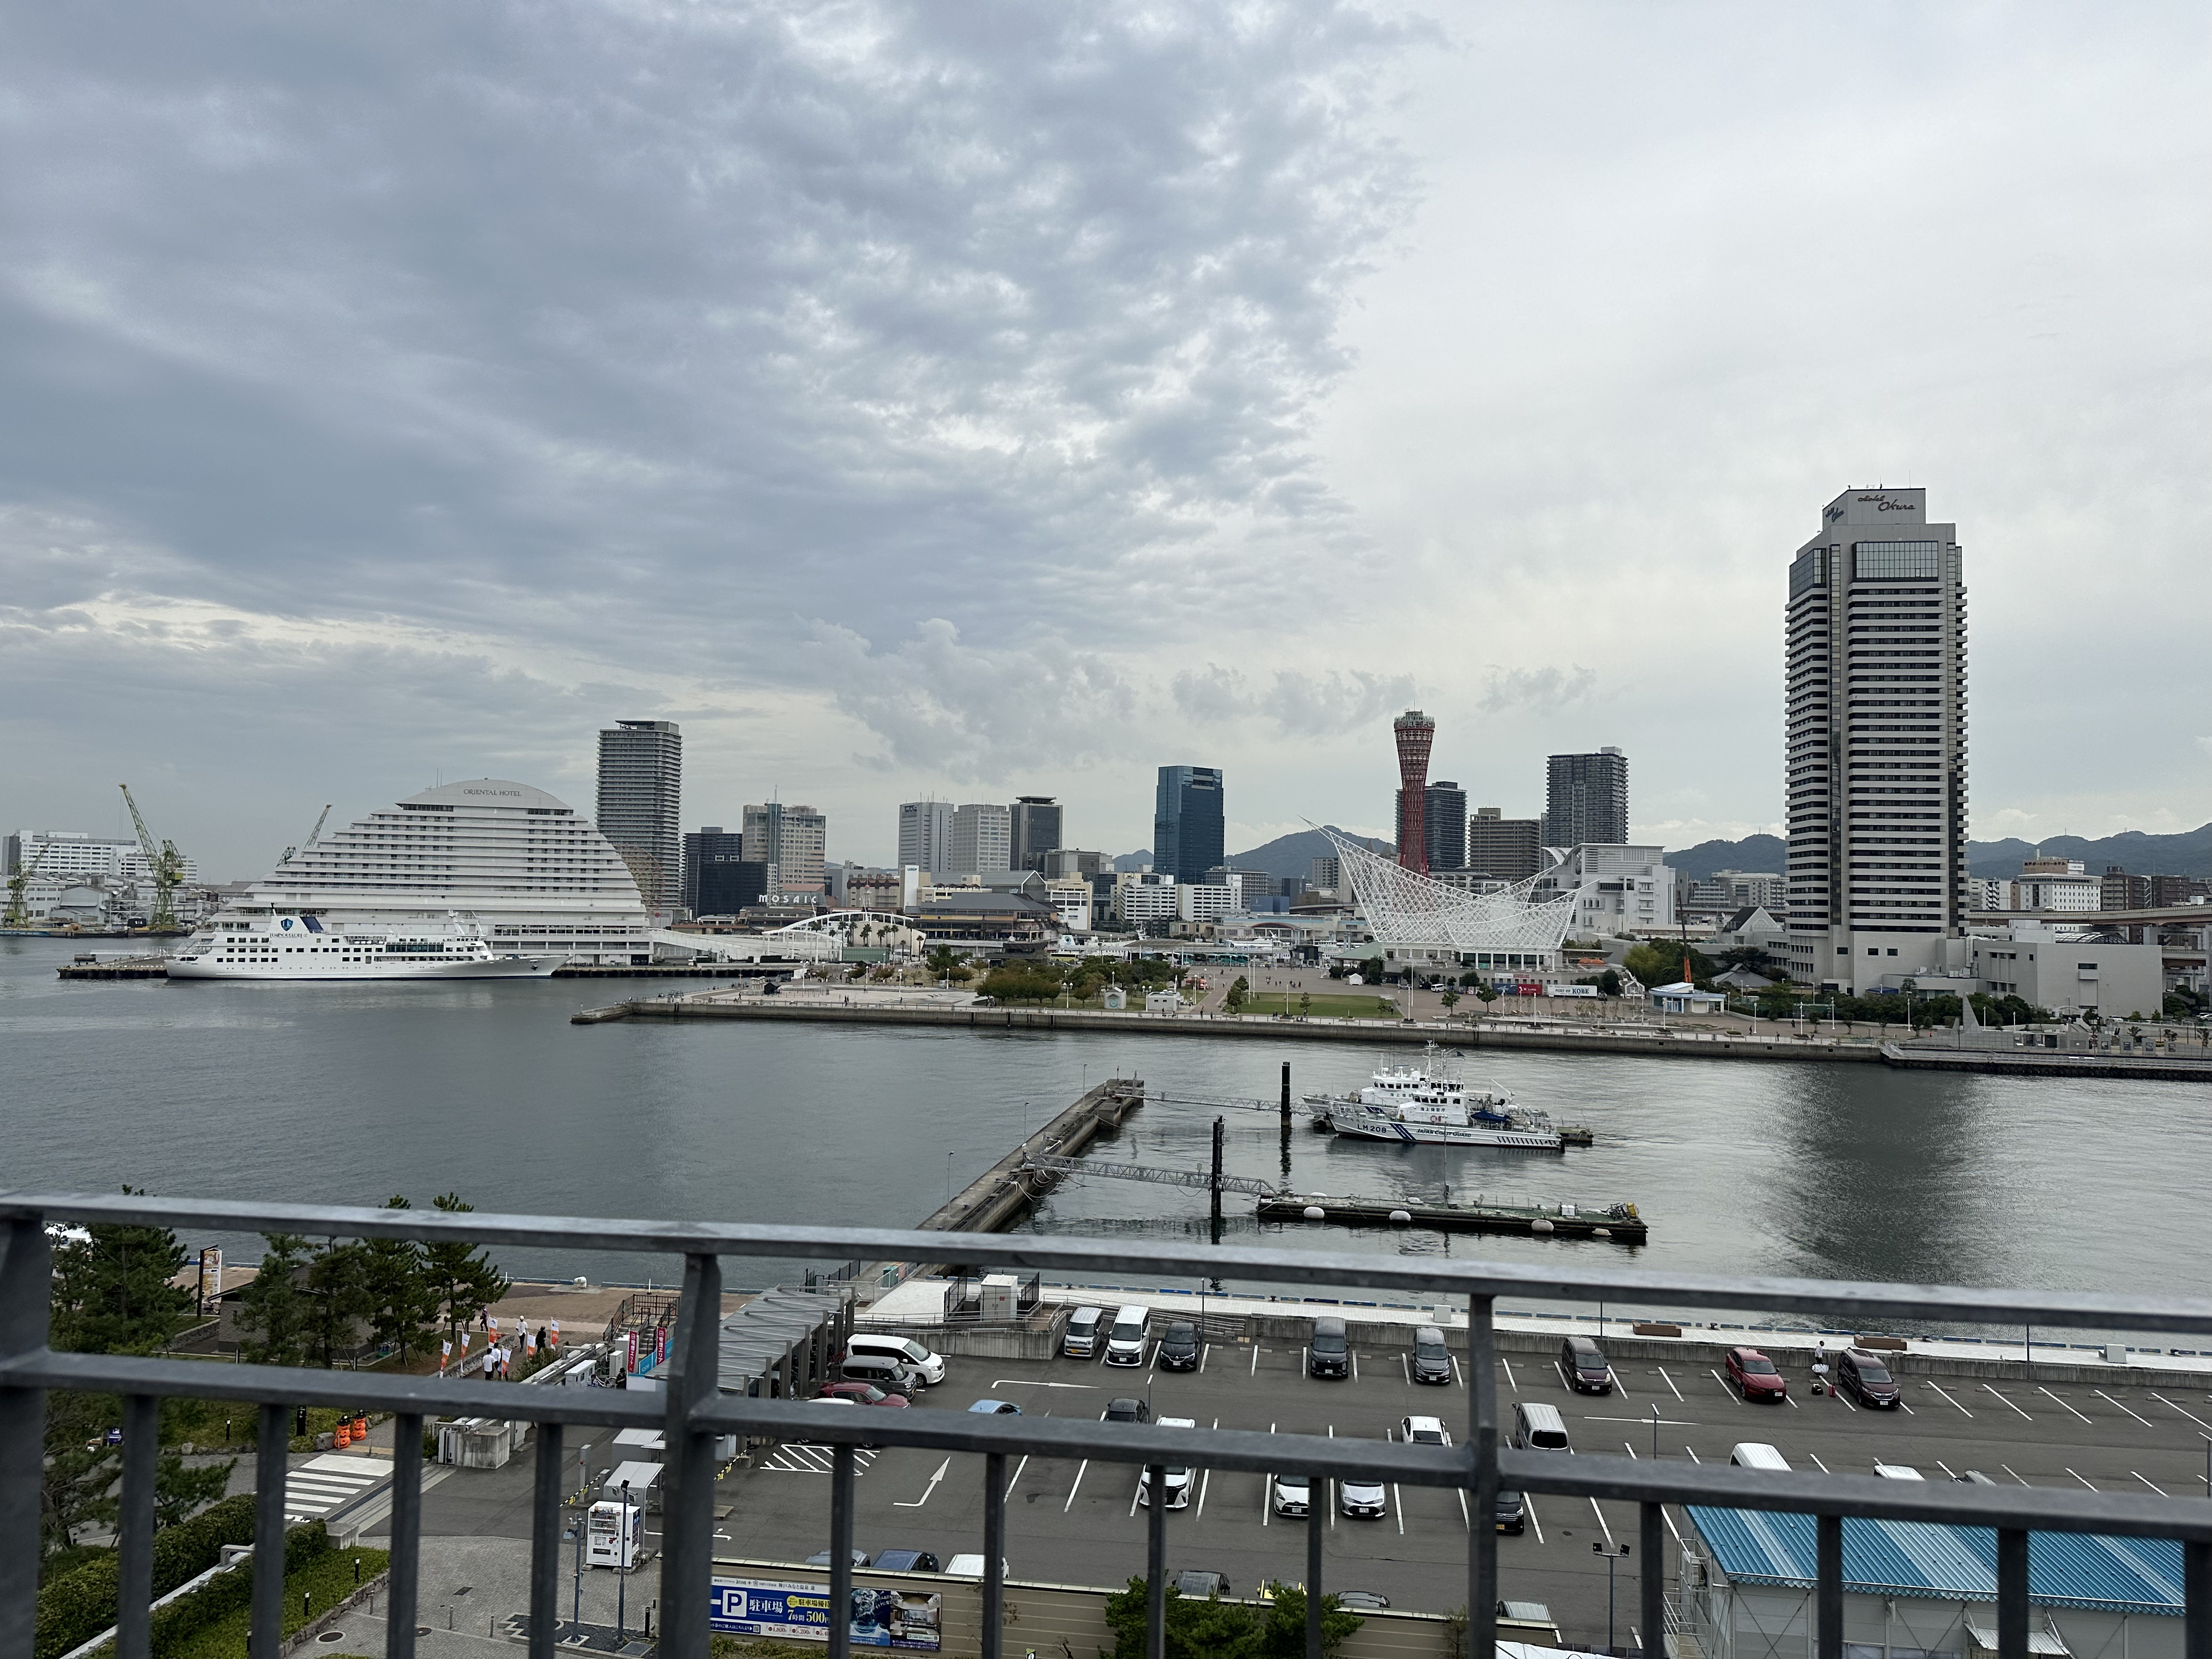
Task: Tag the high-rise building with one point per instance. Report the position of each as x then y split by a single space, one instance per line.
1874 635
640 802
1443 825
925 835
1187 822
983 839
728 885
791 841
1505 850
1586 798
1414 733
1036 830
709 844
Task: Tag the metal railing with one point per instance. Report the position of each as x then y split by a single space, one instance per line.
691 1413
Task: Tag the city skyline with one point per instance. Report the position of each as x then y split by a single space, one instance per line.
1252 472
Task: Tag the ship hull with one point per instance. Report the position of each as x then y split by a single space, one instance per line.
1369 1126
356 973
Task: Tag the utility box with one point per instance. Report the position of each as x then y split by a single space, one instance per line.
612 1535
999 1296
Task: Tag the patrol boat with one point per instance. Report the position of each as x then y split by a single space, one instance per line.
1415 1106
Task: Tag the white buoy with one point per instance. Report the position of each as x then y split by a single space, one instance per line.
1401 1217
1602 1232
1540 1225
1315 1213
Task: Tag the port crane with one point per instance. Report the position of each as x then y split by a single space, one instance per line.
314 834
19 878
165 865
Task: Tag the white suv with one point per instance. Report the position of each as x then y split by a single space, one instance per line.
1176 1480
1424 1431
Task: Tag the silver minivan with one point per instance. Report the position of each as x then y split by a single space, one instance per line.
1539 1427
1081 1341
891 1375
925 1365
1126 1342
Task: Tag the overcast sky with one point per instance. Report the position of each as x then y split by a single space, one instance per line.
977 398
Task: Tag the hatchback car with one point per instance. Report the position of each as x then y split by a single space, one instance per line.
1175 1480
1200 1583
821 1558
1178 1349
906 1561
1512 1511
1755 1376
1582 1364
1128 1409
1363 1496
1327 1351
861 1393
1864 1378
1432 1360
1292 1495
1362 1601
996 1408
1424 1431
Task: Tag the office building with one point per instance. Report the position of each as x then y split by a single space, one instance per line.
1187 822
1203 901
925 835
74 855
2057 884
1443 826
1073 861
1324 873
791 841
983 839
1875 637
1726 891
1414 733
1503 849
1245 886
2118 891
710 843
1036 830
728 885
640 801
1586 798
1620 890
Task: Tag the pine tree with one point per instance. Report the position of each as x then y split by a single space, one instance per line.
400 1302
272 1315
457 1277
337 1297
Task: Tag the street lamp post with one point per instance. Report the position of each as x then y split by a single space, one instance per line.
1611 1556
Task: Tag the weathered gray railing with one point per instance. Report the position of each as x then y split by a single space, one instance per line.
692 1412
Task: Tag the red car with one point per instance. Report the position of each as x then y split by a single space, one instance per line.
1754 1375
861 1393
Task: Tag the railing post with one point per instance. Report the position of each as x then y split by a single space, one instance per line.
134 1619
26 1288
1318 1499
994 1554
406 1537
1652 1542
545 1547
271 1447
841 1552
688 1510
1829 1548
2012 1593
1482 1450
2197 1598
1156 1566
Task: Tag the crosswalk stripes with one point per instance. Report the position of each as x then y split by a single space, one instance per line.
322 1486
795 1459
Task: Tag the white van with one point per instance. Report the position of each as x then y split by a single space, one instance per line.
1897 1472
1125 1343
926 1365
1539 1427
1756 1455
1082 1338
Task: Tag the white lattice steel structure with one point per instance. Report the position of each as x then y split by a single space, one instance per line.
1405 909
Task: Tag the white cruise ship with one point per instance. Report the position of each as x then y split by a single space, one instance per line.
483 879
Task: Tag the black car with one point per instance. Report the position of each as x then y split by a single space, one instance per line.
1512 1511
1864 1378
1127 1409
1582 1366
1431 1356
906 1561
1328 1353
1178 1349
1361 1600
1201 1585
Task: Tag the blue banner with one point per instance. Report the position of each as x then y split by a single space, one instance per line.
879 1618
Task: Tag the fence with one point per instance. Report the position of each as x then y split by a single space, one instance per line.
693 1414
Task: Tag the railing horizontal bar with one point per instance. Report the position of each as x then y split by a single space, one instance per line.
1847 1300
283 1385
2043 1509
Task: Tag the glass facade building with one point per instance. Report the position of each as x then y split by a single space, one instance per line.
640 802
1187 823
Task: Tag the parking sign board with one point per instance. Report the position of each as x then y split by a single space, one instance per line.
880 1618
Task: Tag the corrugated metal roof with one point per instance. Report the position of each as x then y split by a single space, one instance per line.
1919 1558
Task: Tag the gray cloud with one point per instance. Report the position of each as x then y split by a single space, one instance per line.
1315 705
1538 690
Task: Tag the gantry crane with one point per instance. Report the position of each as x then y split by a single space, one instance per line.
314 834
19 878
166 868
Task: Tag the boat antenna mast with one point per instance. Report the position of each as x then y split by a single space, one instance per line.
166 867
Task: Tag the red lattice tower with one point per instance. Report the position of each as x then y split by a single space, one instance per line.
1415 732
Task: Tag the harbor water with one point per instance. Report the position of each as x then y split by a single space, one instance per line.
351 1093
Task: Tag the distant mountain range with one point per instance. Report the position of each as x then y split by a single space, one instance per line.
1285 855
2139 855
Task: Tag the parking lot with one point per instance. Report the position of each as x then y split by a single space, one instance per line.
1079 1523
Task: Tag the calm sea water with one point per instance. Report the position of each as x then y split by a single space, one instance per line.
338 1093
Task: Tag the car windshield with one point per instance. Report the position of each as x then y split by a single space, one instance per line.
1870 1372
1431 1350
1327 1342
1290 1483
1757 1364
869 1392
1183 1334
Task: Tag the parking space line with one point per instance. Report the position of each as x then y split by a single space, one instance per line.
1529 1508
1133 1496
2192 1416
1722 1381
1661 1369
1510 1380
1204 1348
1257 1352
1618 1387
1031 1382
1329 1488
2040 1389
1398 1508
1018 1468
1077 1487
2108 1399
1205 1478
1946 1468
1466 1520
2008 1400
2153 1484
2011 1471
2084 1482
1823 1468
1406 1365
1838 1396
1940 1389
1459 1377
1906 1409
1268 1491
1601 1522
1694 1458
1355 1364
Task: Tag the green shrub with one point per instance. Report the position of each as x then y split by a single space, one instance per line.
182 1620
75 1607
312 1586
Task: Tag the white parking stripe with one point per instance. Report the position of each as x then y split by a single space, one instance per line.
1018 1468
2046 1391
1529 1506
2083 1481
2153 1484
1202 1352
1465 1519
2011 1471
1355 1364
1511 1381
2008 1400
1398 1508
1825 1469
1257 1352
1694 1458
1077 1487
1670 1382
1722 1381
1618 1387
1601 1522
1941 1389
2192 1416
2108 1399
1406 1365
1204 1477
1459 1376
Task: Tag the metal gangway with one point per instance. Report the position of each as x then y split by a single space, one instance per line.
1157 1173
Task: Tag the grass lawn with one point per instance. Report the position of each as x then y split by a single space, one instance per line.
323 1582
1327 1005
